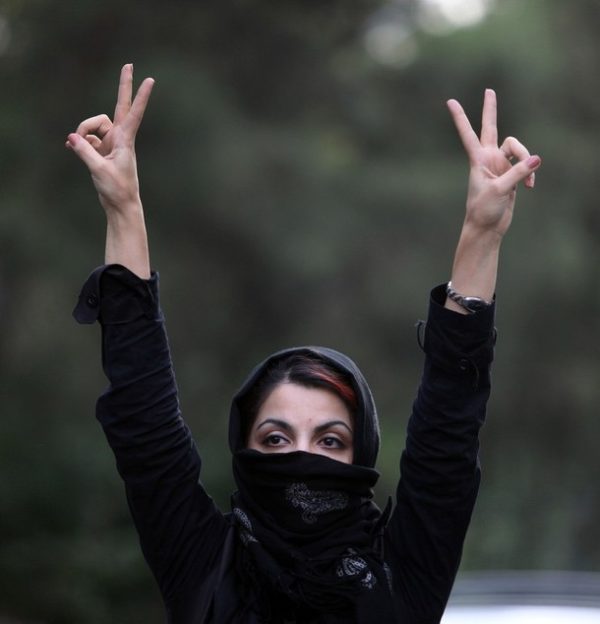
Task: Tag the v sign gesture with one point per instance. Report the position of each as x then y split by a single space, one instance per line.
108 150
490 201
493 179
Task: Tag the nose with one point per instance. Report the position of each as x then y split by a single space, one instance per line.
304 445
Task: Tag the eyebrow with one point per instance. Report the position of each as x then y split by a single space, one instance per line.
287 427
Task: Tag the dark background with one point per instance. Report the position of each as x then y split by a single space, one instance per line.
303 183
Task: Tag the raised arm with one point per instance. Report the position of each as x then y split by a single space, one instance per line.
108 150
440 465
181 530
493 181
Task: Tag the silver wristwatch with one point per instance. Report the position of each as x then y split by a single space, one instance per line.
471 304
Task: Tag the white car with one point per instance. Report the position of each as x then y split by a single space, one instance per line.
525 597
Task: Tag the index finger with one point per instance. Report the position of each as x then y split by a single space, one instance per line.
124 93
466 133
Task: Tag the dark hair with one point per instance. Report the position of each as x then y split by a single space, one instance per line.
303 369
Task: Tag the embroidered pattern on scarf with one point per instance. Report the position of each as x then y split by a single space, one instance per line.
314 503
353 565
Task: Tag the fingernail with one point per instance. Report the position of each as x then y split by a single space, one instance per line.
533 161
73 138
530 181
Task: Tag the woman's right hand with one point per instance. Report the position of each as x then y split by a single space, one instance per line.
108 150
108 147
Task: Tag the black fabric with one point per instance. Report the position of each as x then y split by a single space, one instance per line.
311 537
193 548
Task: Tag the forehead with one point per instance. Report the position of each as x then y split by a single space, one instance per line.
302 405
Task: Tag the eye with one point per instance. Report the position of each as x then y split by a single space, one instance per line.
274 440
332 442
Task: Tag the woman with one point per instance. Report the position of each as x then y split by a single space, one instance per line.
304 542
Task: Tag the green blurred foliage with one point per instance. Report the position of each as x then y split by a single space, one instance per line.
297 191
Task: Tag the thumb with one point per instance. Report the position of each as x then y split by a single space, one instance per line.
520 171
85 151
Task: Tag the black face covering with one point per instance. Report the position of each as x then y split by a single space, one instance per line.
310 536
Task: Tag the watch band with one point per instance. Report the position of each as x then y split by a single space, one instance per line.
471 304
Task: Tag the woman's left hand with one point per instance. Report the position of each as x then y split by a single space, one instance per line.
493 178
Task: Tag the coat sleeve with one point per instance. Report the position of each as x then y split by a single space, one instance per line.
181 530
439 467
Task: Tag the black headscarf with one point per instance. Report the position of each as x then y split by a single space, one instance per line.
310 535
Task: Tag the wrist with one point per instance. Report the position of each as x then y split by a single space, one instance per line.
125 205
126 239
129 213
467 302
474 234
475 265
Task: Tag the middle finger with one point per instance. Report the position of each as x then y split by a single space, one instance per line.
124 93
489 128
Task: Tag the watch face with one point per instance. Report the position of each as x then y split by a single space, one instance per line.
475 304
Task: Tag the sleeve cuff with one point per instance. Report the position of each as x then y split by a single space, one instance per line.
112 294
459 342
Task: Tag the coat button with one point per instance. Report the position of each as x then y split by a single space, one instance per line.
92 301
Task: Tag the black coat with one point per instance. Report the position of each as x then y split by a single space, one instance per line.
189 544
